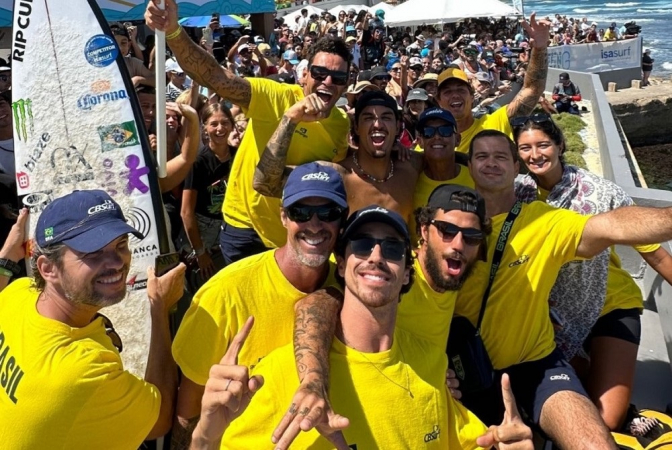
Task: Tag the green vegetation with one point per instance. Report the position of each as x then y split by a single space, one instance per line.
575 159
571 125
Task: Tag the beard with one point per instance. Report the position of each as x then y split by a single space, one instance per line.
86 294
308 259
433 265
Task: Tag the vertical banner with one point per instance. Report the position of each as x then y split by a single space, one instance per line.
78 125
597 57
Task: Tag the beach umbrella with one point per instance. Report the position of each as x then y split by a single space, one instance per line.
227 21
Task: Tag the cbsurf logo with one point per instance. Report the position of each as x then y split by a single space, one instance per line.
101 50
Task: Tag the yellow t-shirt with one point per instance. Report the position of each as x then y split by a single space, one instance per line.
394 399
516 327
425 312
499 120
253 286
64 387
425 186
325 140
622 291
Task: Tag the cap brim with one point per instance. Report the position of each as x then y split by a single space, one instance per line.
290 200
293 61
379 217
96 238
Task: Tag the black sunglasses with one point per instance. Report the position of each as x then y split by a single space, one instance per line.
382 78
538 118
395 69
471 236
392 249
428 132
470 52
325 213
319 73
111 333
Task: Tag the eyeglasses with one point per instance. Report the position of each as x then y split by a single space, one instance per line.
111 333
325 213
392 249
428 132
178 74
538 118
319 73
471 236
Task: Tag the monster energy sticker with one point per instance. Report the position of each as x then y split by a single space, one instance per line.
23 118
117 136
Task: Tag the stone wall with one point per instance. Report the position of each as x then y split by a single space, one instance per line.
646 121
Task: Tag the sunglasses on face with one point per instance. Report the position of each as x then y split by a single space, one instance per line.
178 74
416 68
319 73
470 53
392 249
448 231
111 333
382 78
428 132
539 118
395 69
303 213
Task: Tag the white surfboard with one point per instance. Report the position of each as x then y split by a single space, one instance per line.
78 125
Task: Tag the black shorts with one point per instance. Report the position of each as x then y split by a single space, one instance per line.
532 383
625 324
238 243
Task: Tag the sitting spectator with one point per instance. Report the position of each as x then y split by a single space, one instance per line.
565 94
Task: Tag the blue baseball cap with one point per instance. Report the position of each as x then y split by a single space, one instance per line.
85 221
350 28
291 56
429 43
314 180
377 214
435 113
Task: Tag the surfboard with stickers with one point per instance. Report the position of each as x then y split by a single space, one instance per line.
78 125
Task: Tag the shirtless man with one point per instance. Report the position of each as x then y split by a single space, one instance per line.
370 173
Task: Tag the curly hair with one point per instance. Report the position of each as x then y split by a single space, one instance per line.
330 44
54 253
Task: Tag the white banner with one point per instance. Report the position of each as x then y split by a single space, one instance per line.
597 57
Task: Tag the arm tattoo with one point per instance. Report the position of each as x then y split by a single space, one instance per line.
271 173
314 330
202 67
533 87
181 433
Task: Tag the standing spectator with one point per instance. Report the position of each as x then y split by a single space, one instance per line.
7 137
416 102
647 66
177 76
612 33
398 84
378 21
565 94
373 46
355 49
136 69
5 78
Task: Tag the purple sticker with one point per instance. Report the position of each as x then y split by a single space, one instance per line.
134 174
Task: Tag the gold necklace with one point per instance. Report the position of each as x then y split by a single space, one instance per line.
371 177
403 361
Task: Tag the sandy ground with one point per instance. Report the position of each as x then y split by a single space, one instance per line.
660 87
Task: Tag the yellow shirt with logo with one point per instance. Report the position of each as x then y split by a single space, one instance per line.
425 312
394 399
64 387
516 326
253 286
325 140
499 120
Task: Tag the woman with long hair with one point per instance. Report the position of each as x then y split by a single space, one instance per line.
204 190
595 304
416 102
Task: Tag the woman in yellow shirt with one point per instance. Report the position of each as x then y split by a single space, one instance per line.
595 305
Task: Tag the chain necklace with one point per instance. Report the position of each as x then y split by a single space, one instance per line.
371 177
403 361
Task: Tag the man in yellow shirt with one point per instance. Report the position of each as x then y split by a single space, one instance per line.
251 221
456 94
64 384
375 367
265 286
516 327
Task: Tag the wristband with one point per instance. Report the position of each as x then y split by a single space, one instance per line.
174 34
11 266
6 273
199 251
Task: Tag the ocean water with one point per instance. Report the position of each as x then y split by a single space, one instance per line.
654 16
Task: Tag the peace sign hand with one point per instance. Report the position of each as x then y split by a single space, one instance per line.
228 391
512 433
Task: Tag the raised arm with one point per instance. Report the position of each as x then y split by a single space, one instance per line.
537 70
194 60
629 225
178 168
314 328
271 173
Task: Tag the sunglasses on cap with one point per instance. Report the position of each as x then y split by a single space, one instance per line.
392 249
538 118
428 132
319 73
111 333
471 236
325 213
